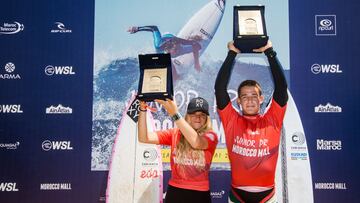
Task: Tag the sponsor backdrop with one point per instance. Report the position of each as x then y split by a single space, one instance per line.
67 70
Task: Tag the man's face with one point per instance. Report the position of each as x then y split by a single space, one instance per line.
250 100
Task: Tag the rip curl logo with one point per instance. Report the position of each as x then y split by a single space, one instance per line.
199 102
325 25
60 28
11 28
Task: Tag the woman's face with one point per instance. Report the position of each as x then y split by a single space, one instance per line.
197 119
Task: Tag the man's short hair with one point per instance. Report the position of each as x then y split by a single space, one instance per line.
251 83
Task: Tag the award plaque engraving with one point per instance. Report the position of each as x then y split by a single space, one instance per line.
249 30
155 80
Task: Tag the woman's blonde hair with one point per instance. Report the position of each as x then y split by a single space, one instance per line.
184 149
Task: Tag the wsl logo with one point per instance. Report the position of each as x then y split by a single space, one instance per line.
10 75
56 145
325 68
8 187
59 70
60 28
325 25
328 108
10 108
11 28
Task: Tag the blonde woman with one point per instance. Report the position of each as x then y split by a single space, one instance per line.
192 144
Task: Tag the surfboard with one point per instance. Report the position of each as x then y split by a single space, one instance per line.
203 24
293 179
135 174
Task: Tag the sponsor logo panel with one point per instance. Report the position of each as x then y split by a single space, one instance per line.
10 109
11 28
328 108
298 149
9 73
60 27
48 145
325 25
10 146
325 69
328 145
51 70
330 186
55 186
59 109
217 194
8 187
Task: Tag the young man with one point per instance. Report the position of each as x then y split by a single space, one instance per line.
252 139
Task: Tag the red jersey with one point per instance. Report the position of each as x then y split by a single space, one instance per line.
189 172
253 143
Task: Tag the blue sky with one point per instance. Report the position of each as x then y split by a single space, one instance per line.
113 17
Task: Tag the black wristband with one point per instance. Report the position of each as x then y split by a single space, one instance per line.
176 117
142 110
270 52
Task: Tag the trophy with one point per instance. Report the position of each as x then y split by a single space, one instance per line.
249 28
155 80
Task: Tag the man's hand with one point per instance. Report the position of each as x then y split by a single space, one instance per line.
232 47
262 49
133 29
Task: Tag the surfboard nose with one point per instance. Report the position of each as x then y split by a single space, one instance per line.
221 5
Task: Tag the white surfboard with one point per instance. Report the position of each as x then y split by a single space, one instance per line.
135 174
293 173
203 24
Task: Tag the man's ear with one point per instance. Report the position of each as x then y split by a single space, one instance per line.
238 101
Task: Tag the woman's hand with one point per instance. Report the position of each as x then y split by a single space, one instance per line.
169 105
